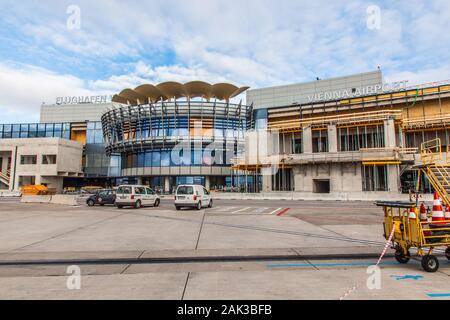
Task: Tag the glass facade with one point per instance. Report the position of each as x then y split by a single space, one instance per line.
261 118
98 163
35 130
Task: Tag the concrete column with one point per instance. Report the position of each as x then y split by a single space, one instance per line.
389 133
267 183
332 138
307 140
393 178
139 180
207 182
287 144
401 143
166 184
14 179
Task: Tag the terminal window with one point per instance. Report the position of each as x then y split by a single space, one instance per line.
49 159
28 159
320 141
374 178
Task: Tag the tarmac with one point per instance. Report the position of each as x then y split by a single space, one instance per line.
236 250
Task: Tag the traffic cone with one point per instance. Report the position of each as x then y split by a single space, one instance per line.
424 218
412 214
437 217
447 214
423 213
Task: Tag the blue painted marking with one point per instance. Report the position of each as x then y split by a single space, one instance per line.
357 264
407 277
439 295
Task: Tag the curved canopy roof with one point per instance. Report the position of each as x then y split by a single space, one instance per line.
148 93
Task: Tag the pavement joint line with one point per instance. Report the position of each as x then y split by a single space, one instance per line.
263 229
185 285
67 232
129 265
201 228
316 265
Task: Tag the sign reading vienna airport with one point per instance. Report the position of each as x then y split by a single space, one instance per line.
358 92
83 99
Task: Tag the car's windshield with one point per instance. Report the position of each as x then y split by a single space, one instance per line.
124 190
185 190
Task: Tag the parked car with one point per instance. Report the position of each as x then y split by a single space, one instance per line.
193 196
107 196
136 196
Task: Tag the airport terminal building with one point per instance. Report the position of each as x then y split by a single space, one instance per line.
353 134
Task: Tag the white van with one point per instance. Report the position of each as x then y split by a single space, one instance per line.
136 196
193 196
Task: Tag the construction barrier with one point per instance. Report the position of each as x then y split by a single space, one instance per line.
69 200
10 194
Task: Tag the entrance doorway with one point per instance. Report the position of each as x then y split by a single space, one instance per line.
321 186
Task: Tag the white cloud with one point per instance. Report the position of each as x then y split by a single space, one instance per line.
23 88
254 42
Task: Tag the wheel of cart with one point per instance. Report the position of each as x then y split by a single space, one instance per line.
412 233
430 263
401 255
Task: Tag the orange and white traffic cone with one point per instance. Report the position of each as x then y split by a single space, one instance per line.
423 213
437 217
447 214
412 215
424 220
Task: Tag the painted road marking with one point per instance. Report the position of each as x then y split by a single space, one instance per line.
223 209
243 209
439 295
407 277
279 214
260 210
276 210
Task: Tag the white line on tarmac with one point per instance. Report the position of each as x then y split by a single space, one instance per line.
243 209
224 209
275 211
259 210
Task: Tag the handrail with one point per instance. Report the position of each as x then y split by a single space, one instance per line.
391 149
337 118
430 151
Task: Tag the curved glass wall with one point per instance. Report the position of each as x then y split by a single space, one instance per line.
188 133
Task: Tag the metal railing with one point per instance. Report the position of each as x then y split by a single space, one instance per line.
5 176
435 167
431 152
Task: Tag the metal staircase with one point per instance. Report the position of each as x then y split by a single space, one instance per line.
4 177
436 168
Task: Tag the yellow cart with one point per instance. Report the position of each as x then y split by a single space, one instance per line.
412 233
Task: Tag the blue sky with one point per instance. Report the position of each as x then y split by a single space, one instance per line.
255 42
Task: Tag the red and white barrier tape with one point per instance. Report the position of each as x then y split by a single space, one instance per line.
386 247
